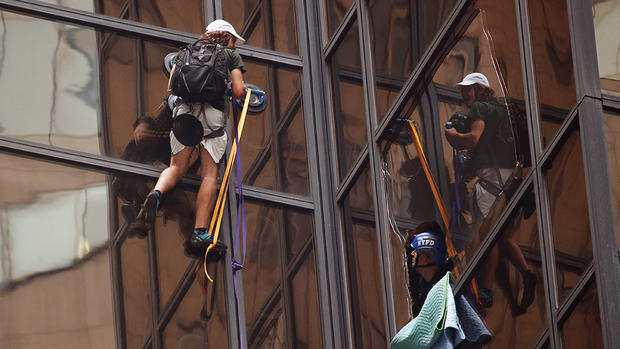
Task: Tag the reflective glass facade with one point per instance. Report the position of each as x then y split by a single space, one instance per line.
333 181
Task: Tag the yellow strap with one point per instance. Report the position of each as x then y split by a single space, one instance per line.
442 207
218 211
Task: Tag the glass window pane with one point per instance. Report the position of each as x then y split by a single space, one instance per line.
306 305
606 29
136 291
174 224
396 44
283 116
55 256
612 135
334 12
553 63
268 24
262 271
570 221
511 296
183 15
361 245
348 94
485 145
85 97
294 158
298 227
410 202
582 328
200 321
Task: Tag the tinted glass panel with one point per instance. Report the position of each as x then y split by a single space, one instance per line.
606 28
569 214
360 238
200 321
279 129
483 129
553 63
306 305
173 226
136 293
270 24
334 12
90 97
612 133
275 233
184 15
55 256
397 44
582 328
511 296
348 94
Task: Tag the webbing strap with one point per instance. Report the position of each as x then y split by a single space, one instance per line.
442 207
218 211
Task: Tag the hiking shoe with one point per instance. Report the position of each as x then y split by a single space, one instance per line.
151 204
486 297
529 287
196 246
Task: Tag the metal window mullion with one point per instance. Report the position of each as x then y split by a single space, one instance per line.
545 232
601 211
118 295
379 197
433 130
594 152
354 173
210 11
341 31
536 153
153 288
327 243
575 294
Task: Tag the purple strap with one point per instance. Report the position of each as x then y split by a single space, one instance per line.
241 224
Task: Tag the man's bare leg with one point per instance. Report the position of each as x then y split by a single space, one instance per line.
205 199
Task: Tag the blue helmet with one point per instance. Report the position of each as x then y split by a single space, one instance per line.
430 243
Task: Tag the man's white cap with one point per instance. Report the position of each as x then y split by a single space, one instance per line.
220 25
475 78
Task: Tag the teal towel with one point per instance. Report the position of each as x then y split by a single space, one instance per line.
423 331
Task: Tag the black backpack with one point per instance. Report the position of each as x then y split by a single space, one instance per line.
201 73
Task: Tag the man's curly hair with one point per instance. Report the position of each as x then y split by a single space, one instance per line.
219 37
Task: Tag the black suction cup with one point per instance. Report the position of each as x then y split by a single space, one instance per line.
169 62
258 103
187 129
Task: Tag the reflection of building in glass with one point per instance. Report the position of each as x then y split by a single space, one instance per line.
332 180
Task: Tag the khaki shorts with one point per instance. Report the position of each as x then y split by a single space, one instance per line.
211 119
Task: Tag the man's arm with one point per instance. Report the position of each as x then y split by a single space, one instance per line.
465 140
238 87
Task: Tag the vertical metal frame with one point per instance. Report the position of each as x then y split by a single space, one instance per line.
536 149
320 165
381 225
598 188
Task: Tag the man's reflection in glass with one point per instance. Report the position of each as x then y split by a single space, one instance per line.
489 141
150 145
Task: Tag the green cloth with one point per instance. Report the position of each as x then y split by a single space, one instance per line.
423 331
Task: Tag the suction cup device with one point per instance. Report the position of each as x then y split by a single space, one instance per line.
257 99
398 132
169 62
174 101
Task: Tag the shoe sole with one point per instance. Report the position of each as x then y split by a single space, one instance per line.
198 251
